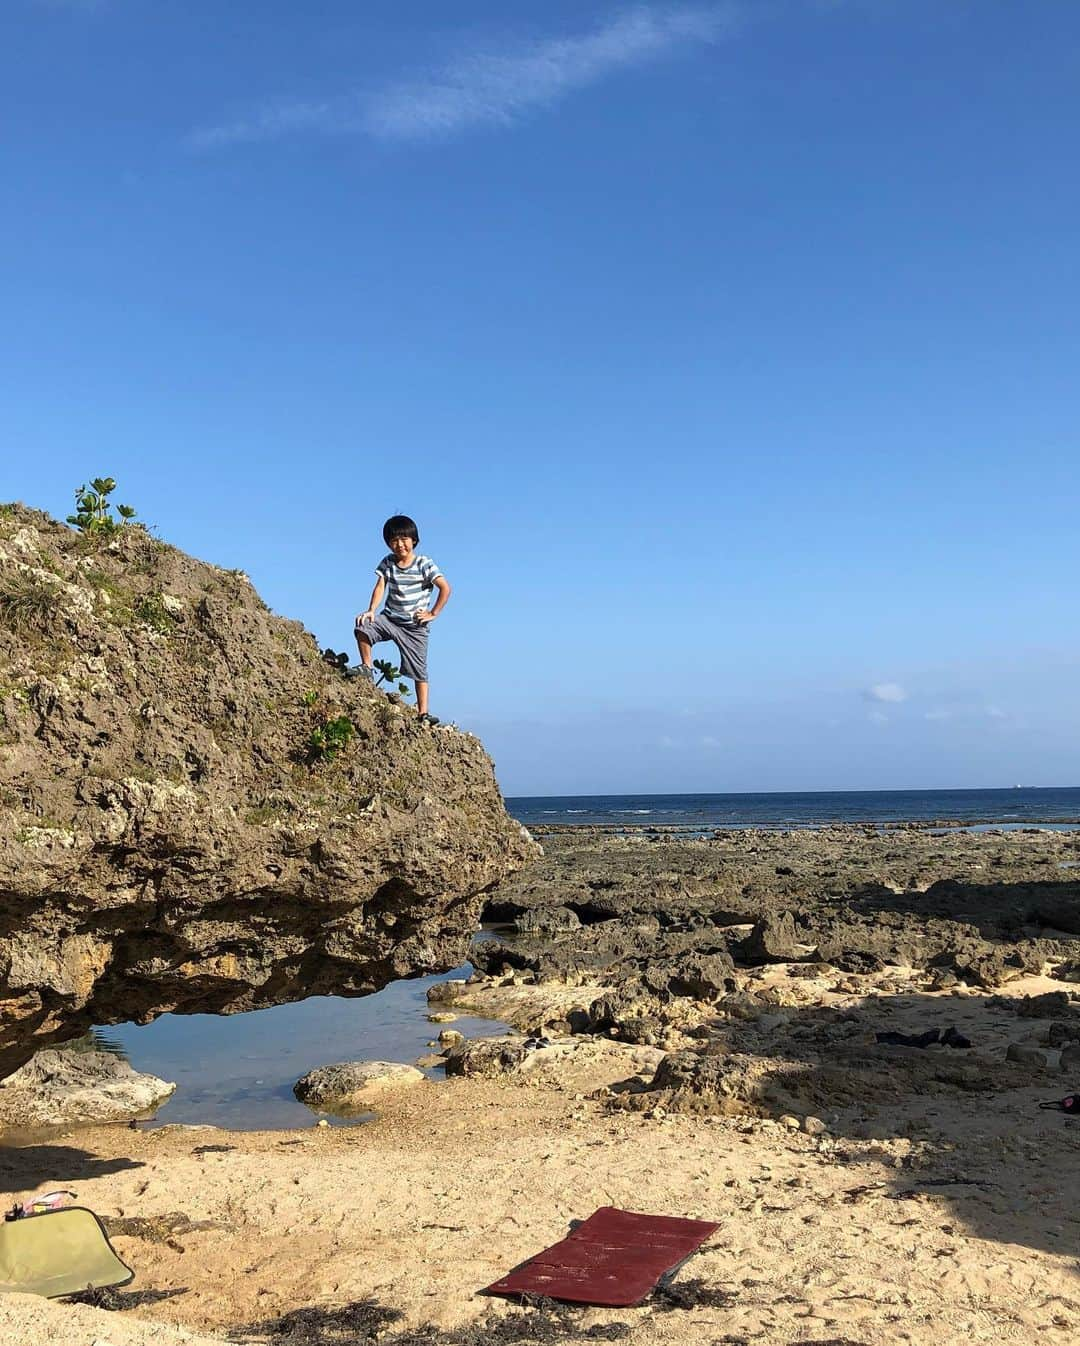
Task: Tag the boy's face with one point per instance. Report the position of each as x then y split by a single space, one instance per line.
402 548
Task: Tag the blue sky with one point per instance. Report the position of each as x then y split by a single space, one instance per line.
725 352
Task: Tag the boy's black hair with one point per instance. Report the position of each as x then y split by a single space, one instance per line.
400 525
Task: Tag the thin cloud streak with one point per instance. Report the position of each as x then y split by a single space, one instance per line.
488 89
496 89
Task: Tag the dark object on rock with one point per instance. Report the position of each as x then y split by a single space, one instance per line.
927 1039
166 843
1069 1104
338 661
952 1037
612 1259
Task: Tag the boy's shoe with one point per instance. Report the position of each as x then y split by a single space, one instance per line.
359 671
428 719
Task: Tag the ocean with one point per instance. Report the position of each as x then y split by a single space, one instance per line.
238 1071
1018 805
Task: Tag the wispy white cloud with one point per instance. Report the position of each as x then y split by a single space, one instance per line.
965 711
889 692
491 88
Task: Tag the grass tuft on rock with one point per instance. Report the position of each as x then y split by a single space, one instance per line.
27 602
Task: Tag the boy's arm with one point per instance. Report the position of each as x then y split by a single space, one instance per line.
442 584
376 599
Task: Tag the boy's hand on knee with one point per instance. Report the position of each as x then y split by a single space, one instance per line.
365 617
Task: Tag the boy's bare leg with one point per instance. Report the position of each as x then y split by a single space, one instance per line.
421 698
364 646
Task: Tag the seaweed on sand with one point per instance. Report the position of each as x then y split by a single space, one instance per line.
691 1294
541 1321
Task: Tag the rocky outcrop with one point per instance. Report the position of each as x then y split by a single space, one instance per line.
669 909
197 813
353 1086
63 1087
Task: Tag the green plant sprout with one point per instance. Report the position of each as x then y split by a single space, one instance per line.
328 739
389 673
92 509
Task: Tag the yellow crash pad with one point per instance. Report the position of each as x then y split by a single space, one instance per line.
61 1252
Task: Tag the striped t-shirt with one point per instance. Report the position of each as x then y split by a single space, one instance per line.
407 588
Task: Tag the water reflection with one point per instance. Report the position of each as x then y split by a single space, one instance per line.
238 1070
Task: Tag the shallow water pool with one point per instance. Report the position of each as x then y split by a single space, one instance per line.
238 1070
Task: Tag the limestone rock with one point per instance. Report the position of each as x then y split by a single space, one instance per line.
487 1057
1026 1056
1040 1006
1070 1058
172 839
547 921
772 940
687 1081
353 1084
1063 1034
71 1087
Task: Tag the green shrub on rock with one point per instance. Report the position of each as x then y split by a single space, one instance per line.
328 739
92 514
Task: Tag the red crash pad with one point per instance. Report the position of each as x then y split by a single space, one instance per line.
613 1259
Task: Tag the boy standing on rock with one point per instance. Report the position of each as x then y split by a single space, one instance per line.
406 579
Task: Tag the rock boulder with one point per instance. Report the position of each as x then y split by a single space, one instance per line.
200 815
67 1087
353 1084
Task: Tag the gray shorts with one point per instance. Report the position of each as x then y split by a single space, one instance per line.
410 637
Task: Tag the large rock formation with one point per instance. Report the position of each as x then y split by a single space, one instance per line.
170 836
